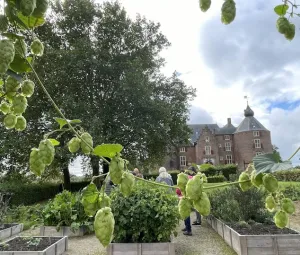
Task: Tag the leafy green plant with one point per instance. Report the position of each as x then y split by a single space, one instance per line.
149 214
66 210
234 205
292 175
292 192
216 178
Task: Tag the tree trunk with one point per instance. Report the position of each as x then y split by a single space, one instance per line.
95 167
67 179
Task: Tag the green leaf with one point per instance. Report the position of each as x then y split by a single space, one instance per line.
108 150
268 163
54 142
62 122
13 36
90 193
30 22
20 64
281 9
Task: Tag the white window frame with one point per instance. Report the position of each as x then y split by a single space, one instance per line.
207 139
182 160
221 158
227 137
228 146
207 150
220 145
229 159
257 143
259 153
182 149
256 133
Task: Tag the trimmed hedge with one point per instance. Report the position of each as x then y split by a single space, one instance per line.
288 175
173 174
216 178
226 170
32 193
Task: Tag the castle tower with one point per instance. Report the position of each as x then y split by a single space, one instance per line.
251 138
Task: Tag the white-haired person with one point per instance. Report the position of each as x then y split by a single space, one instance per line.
164 177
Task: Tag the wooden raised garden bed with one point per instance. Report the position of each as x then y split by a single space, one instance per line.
64 231
37 245
8 230
263 244
141 249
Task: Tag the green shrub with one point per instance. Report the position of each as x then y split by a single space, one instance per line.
149 214
216 178
233 205
173 174
66 210
288 175
29 193
226 170
30 216
205 167
292 192
233 177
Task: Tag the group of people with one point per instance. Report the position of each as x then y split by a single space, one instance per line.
165 177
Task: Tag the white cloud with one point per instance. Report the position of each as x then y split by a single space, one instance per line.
224 63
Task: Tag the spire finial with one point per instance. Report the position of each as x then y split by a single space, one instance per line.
246 97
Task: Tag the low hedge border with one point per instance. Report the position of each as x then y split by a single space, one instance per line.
292 175
226 170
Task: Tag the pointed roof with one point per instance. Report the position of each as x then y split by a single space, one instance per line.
227 129
249 123
197 129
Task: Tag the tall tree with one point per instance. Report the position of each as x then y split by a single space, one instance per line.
104 68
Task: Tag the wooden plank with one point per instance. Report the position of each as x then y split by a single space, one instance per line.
220 228
292 241
288 251
259 241
227 235
243 242
260 251
236 244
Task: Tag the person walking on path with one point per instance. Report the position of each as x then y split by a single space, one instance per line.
164 177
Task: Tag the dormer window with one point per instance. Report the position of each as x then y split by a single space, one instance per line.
226 137
256 133
207 139
182 149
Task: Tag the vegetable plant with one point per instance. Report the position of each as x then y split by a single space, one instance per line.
19 48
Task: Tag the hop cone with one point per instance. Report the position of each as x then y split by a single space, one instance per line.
204 5
185 207
194 188
245 185
281 219
203 205
182 180
115 172
270 183
86 146
36 164
127 183
228 12
270 203
103 201
46 151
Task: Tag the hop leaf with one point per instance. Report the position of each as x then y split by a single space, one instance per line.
127 183
185 207
281 219
204 5
245 185
74 144
270 203
103 201
104 226
37 47
203 205
228 12
27 7
36 164
287 205
290 32
41 8
194 188
3 23
10 121
282 25
46 152
4 107
19 104
182 180
21 123
115 172
86 143
21 48
270 183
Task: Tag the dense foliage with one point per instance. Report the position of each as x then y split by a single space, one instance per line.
66 210
234 205
226 170
292 175
149 214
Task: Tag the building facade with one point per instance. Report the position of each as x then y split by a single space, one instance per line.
226 145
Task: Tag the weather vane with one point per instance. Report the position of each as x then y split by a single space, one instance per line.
246 97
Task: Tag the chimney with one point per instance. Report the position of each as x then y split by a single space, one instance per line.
229 121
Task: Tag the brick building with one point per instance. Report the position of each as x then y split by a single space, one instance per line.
226 145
